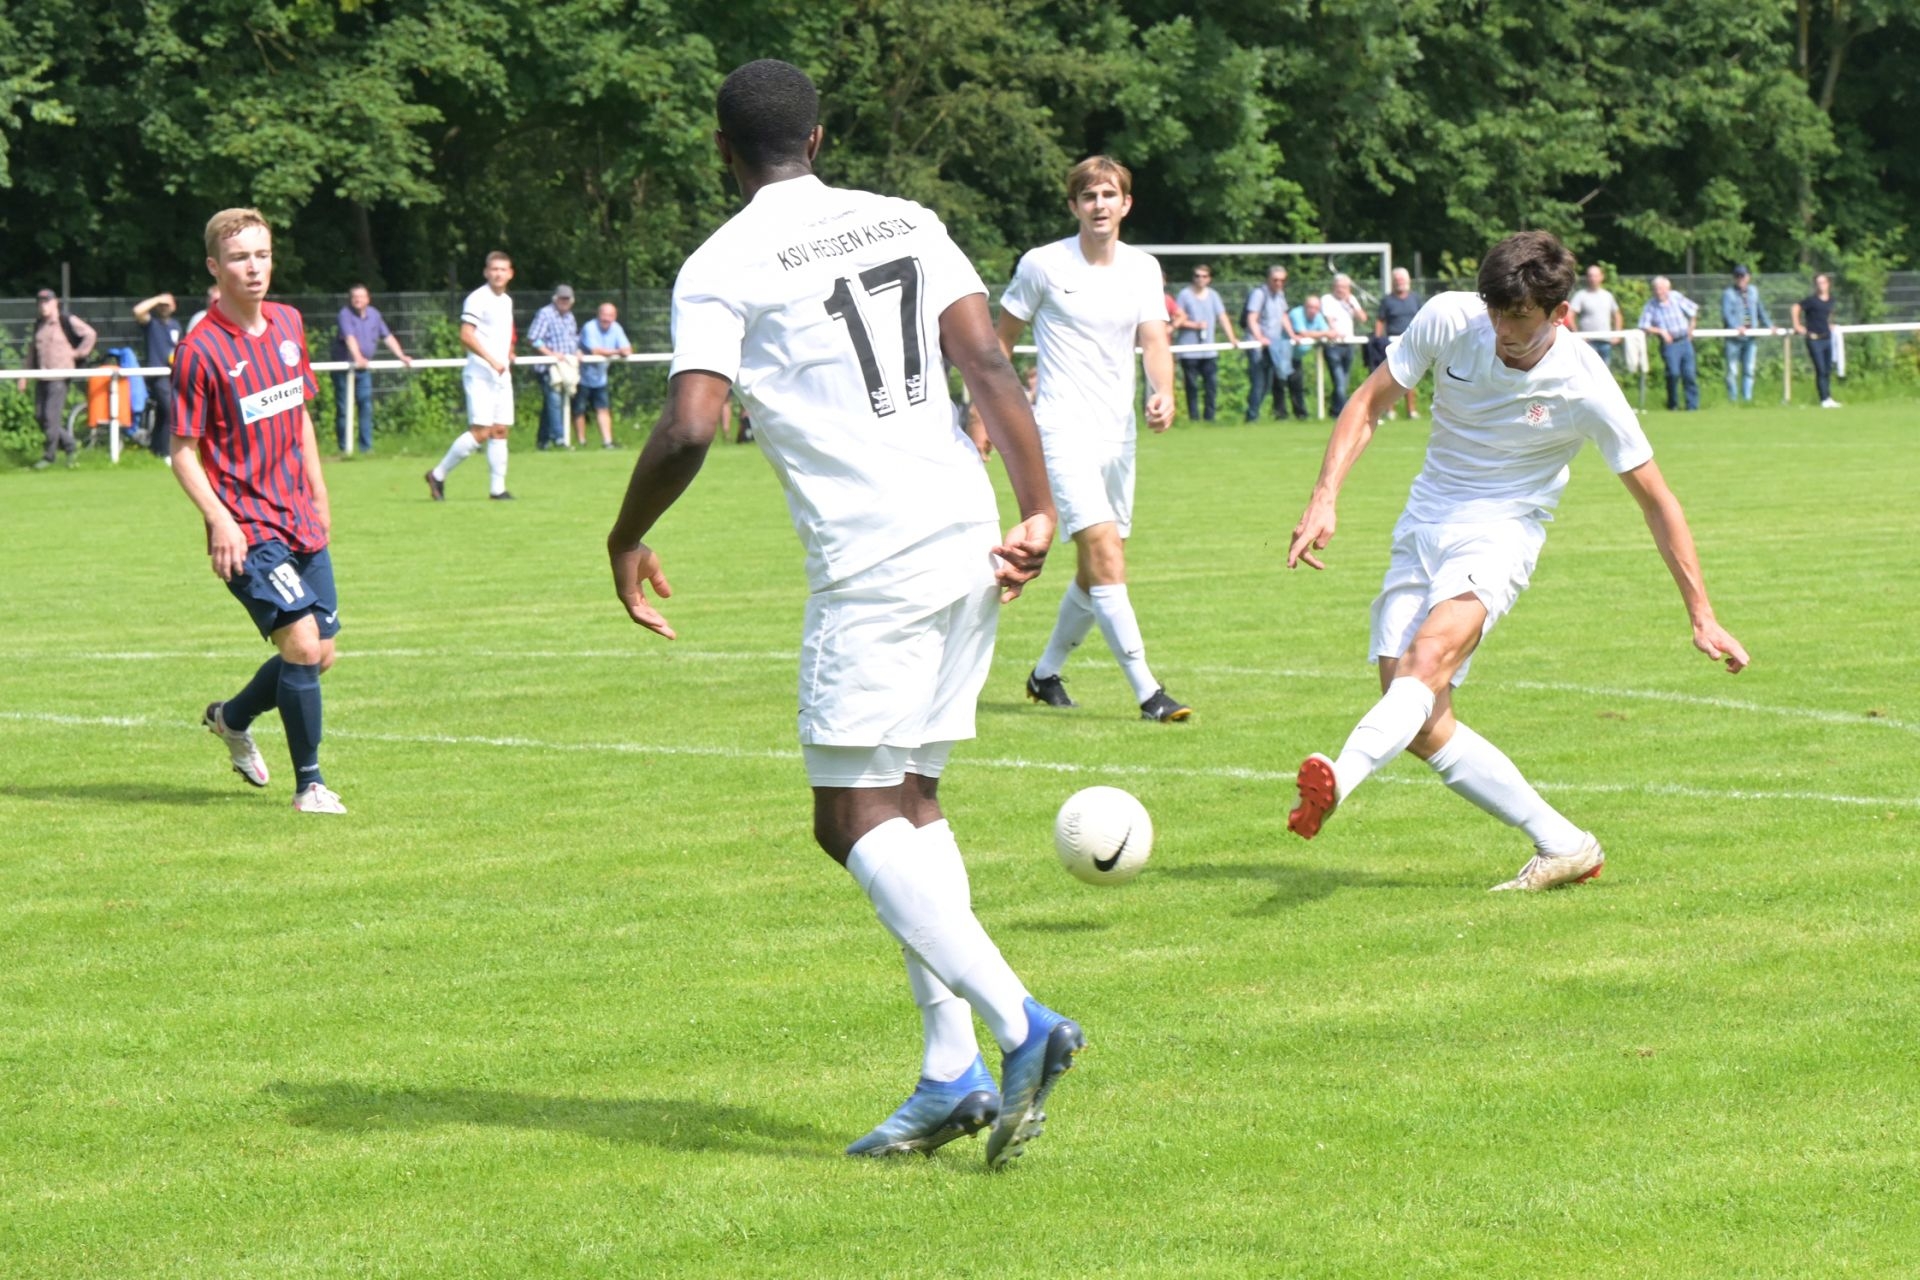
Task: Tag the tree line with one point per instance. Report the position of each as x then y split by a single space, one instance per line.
397 141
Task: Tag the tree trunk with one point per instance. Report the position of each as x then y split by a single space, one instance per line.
363 243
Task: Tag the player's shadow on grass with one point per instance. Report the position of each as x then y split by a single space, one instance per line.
666 1123
122 792
1293 884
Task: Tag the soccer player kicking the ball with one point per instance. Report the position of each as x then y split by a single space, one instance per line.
827 312
486 331
244 451
1091 299
1515 395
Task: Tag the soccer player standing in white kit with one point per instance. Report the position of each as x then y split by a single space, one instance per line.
486 331
1515 396
1090 299
827 312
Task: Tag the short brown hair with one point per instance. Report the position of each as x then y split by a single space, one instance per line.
499 255
228 223
1527 269
1095 168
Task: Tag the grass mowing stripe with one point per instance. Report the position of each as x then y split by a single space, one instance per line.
1812 714
1221 772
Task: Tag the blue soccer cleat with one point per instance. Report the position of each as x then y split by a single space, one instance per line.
1027 1076
938 1112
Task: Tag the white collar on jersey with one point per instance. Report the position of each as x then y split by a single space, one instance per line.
787 189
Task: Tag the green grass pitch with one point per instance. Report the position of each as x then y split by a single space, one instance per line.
570 992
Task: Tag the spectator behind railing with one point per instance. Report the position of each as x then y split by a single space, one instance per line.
1310 327
1200 310
1742 309
1671 317
1596 310
554 332
600 336
1270 365
1344 315
1397 311
160 333
59 341
1813 320
361 328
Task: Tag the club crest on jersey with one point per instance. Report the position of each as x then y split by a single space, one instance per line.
1536 414
289 352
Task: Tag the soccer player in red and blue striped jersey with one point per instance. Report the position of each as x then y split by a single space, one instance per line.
244 451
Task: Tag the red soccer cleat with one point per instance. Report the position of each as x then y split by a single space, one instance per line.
1319 796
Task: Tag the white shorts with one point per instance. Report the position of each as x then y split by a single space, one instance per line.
892 660
1433 562
1092 484
489 396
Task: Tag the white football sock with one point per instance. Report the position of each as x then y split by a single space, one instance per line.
1114 612
1481 772
913 896
945 1019
1069 629
459 451
1383 732
496 465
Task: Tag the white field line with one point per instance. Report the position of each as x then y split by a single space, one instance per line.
646 653
1218 773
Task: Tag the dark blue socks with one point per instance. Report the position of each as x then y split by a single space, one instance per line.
299 699
252 702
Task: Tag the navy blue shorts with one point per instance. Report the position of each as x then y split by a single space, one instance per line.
279 587
591 398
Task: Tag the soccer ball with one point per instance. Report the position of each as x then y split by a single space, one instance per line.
1103 835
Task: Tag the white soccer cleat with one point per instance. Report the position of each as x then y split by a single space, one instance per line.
1551 870
246 757
317 799
1829 403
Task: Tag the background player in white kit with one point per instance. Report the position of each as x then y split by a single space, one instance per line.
486 331
828 311
1091 299
1515 395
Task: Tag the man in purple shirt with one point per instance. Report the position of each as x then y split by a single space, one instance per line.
362 329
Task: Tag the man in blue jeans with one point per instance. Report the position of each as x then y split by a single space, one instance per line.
1200 310
1742 310
1670 317
362 330
1269 365
554 332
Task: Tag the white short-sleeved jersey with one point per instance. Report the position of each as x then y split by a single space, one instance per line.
491 315
823 307
1084 323
1502 438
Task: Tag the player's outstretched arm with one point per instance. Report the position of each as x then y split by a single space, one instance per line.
668 464
1156 357
970 339
1668 524
1351 435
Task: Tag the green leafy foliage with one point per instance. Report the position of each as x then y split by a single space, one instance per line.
400 140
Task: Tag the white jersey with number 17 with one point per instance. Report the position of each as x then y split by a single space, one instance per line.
823 307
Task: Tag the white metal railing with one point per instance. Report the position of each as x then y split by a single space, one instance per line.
117 376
